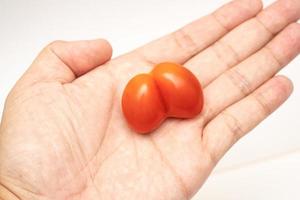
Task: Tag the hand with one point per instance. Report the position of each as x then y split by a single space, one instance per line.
63 135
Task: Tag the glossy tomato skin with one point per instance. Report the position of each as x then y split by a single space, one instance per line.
169 90
142 105
180 90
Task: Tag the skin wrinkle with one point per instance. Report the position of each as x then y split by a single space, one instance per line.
271 33
233 124
239 81
144 58
10 191
270 52
9 108
232 51
48 103
213 157
68 142
75 194
91 176
108 124
19 98
183 40
74 128
101 164
100 144
176 176
8 180
87 162
212 160
105 158
64 63
216 18
71 150
219 56
261 101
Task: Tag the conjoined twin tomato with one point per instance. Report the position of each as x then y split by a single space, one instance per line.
169 90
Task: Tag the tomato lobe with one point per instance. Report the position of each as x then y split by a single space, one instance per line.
142 104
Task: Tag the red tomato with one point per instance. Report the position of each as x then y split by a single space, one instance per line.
169 90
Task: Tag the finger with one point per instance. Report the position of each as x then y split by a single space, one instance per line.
237 120
64 61
250 74
243 40
180 45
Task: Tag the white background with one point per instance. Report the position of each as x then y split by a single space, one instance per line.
263 165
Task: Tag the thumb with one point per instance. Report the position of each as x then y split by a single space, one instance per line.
64 61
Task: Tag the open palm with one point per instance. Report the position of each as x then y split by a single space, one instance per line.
63 135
